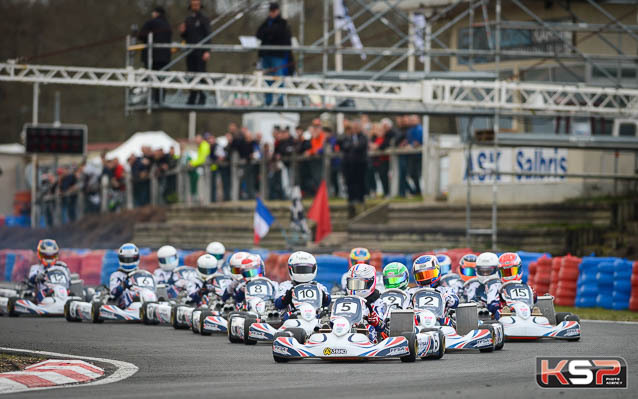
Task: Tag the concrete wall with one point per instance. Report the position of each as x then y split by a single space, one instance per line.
512 190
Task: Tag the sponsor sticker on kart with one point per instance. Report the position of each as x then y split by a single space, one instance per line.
484 342
335 351
581 372
401 350
280 350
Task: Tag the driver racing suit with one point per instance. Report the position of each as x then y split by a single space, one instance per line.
119 287
487 294
37 279
375 324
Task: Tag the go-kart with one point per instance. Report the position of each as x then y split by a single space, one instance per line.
15 302
211 318
429 306
103 307
265 330
524 320
258 306
348 339
168 296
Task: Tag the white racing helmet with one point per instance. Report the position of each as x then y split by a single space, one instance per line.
302 267
167 258
361 280
129 257
486 267
206 266
216 249
235 262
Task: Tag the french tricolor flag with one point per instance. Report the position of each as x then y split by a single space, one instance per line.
262 221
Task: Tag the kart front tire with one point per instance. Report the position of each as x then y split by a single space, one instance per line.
439 354
573 317
493 346
11 307
412 345
279 359
202 316
67 311
231 337
95 312
297 333
498 346
144 314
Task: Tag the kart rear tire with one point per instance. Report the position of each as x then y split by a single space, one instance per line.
95 312
491 348
412 345
67 312
144 314
202 316
231 338
297 333
11 307
248 321
560 316
279 359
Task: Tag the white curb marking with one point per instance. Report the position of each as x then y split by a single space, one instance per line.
122 371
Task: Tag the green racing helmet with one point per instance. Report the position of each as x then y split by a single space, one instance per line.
396 275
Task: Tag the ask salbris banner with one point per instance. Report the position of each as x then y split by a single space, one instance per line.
522 159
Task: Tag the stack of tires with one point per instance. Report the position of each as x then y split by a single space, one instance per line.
566 289
527 258
587 286
605 280
109 264
557 262
330 269
633 300
543 275
622 284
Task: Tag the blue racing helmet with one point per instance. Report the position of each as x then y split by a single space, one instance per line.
445 264
129 257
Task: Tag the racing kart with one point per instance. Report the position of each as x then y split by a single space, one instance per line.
347 338
524 320
210 317
465 333
265 330
169 296
15 302
258 307
103 306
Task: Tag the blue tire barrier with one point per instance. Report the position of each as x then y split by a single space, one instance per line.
622 285
604 301
586 302
620 297
9 262
588 289
605 279
620 305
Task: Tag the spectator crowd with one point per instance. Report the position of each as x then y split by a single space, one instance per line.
293 157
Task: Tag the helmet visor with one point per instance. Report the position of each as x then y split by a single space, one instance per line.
128 259
468 271
356 284
235 269
425 276
486 270
206 271
445 269
248 273
169 260
509 271
393 281
303 269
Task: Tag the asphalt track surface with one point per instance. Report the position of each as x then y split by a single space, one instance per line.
177 363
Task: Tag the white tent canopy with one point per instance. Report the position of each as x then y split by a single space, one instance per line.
155 140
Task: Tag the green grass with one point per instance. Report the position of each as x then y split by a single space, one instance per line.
600 313
17 362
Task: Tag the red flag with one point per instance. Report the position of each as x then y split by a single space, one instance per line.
320 213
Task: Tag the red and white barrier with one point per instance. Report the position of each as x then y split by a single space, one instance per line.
49 373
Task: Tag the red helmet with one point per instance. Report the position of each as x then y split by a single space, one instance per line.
467 267
510 267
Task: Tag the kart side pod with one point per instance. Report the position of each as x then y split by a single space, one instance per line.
466 318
